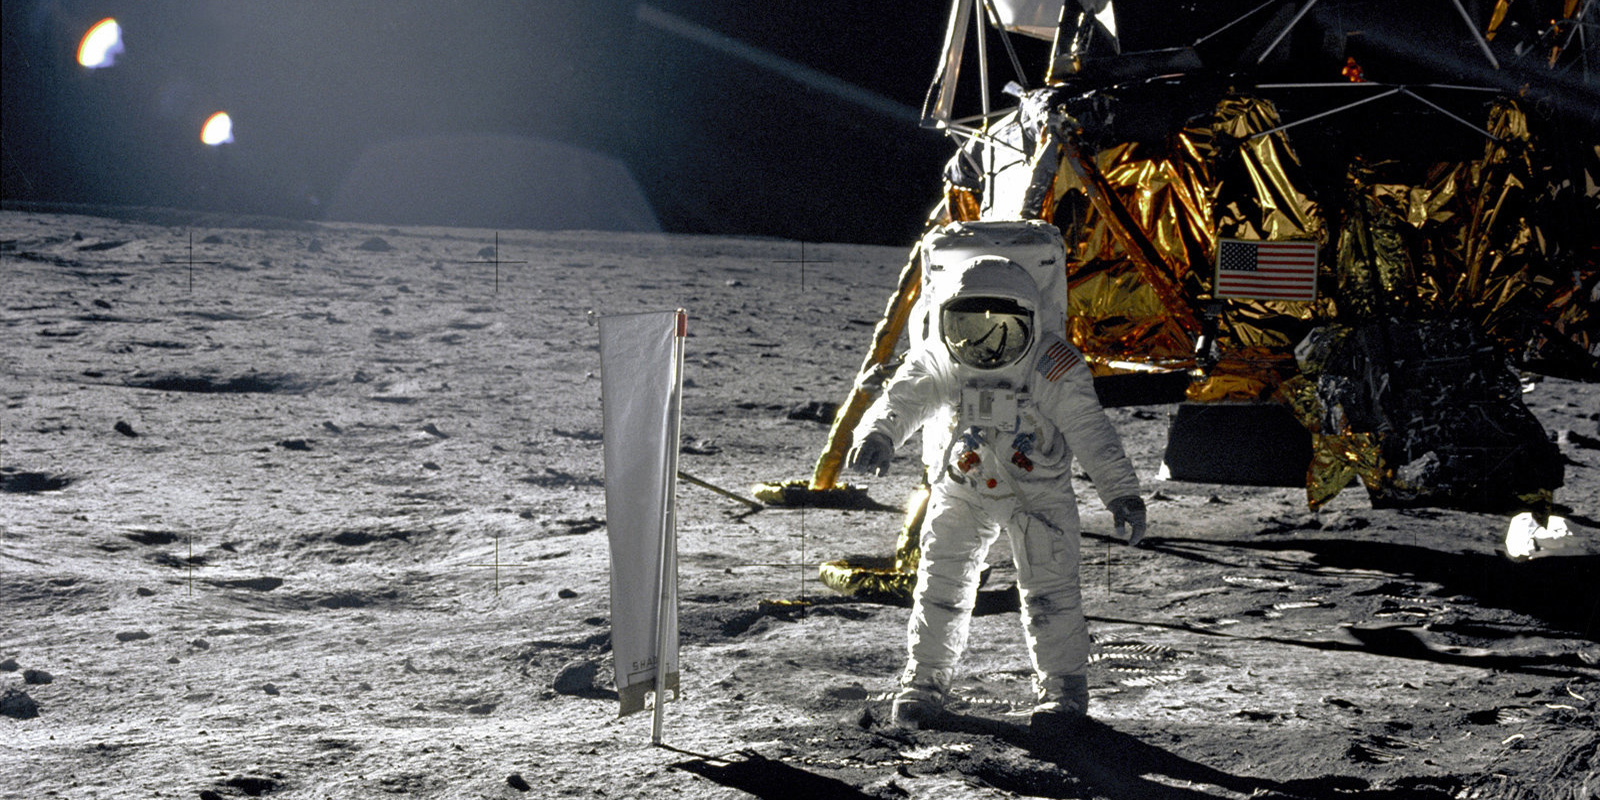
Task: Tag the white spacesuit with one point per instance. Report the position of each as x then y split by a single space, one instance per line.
1011 405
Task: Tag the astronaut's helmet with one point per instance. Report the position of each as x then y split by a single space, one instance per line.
987 316
986 333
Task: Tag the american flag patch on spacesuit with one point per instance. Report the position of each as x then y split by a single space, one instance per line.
1058 359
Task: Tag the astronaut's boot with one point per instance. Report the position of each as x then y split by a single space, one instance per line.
1061 702
922 695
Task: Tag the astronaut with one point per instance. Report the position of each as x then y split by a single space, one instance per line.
1008 406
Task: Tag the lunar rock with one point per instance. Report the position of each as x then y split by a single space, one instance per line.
16 704
577 678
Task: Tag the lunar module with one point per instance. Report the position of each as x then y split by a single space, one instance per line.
1340 238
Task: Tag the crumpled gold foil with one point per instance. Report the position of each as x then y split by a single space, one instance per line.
1529 216
867 578
1376 277
1506 241
1337 457
1251 374
961 204
1336 460
1181 204
1274 207
878 578
1496 19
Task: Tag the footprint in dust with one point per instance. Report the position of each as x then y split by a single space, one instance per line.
1134 663
1505 715
1380 749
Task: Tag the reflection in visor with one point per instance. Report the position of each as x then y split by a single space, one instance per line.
986 332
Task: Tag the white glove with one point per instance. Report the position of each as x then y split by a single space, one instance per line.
871 455
1126 511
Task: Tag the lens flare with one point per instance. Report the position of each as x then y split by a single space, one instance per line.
101 45
217 130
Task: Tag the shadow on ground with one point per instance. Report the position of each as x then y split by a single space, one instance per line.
767 778
1559 591
1123 767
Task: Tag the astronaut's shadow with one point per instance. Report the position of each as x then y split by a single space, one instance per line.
1093 755
1116 764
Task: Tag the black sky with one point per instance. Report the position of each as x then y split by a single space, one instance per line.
412 89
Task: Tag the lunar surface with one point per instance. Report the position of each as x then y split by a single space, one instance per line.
317 511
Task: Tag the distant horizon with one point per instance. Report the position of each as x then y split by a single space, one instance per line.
170 216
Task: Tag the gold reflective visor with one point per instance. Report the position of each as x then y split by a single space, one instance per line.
986 332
